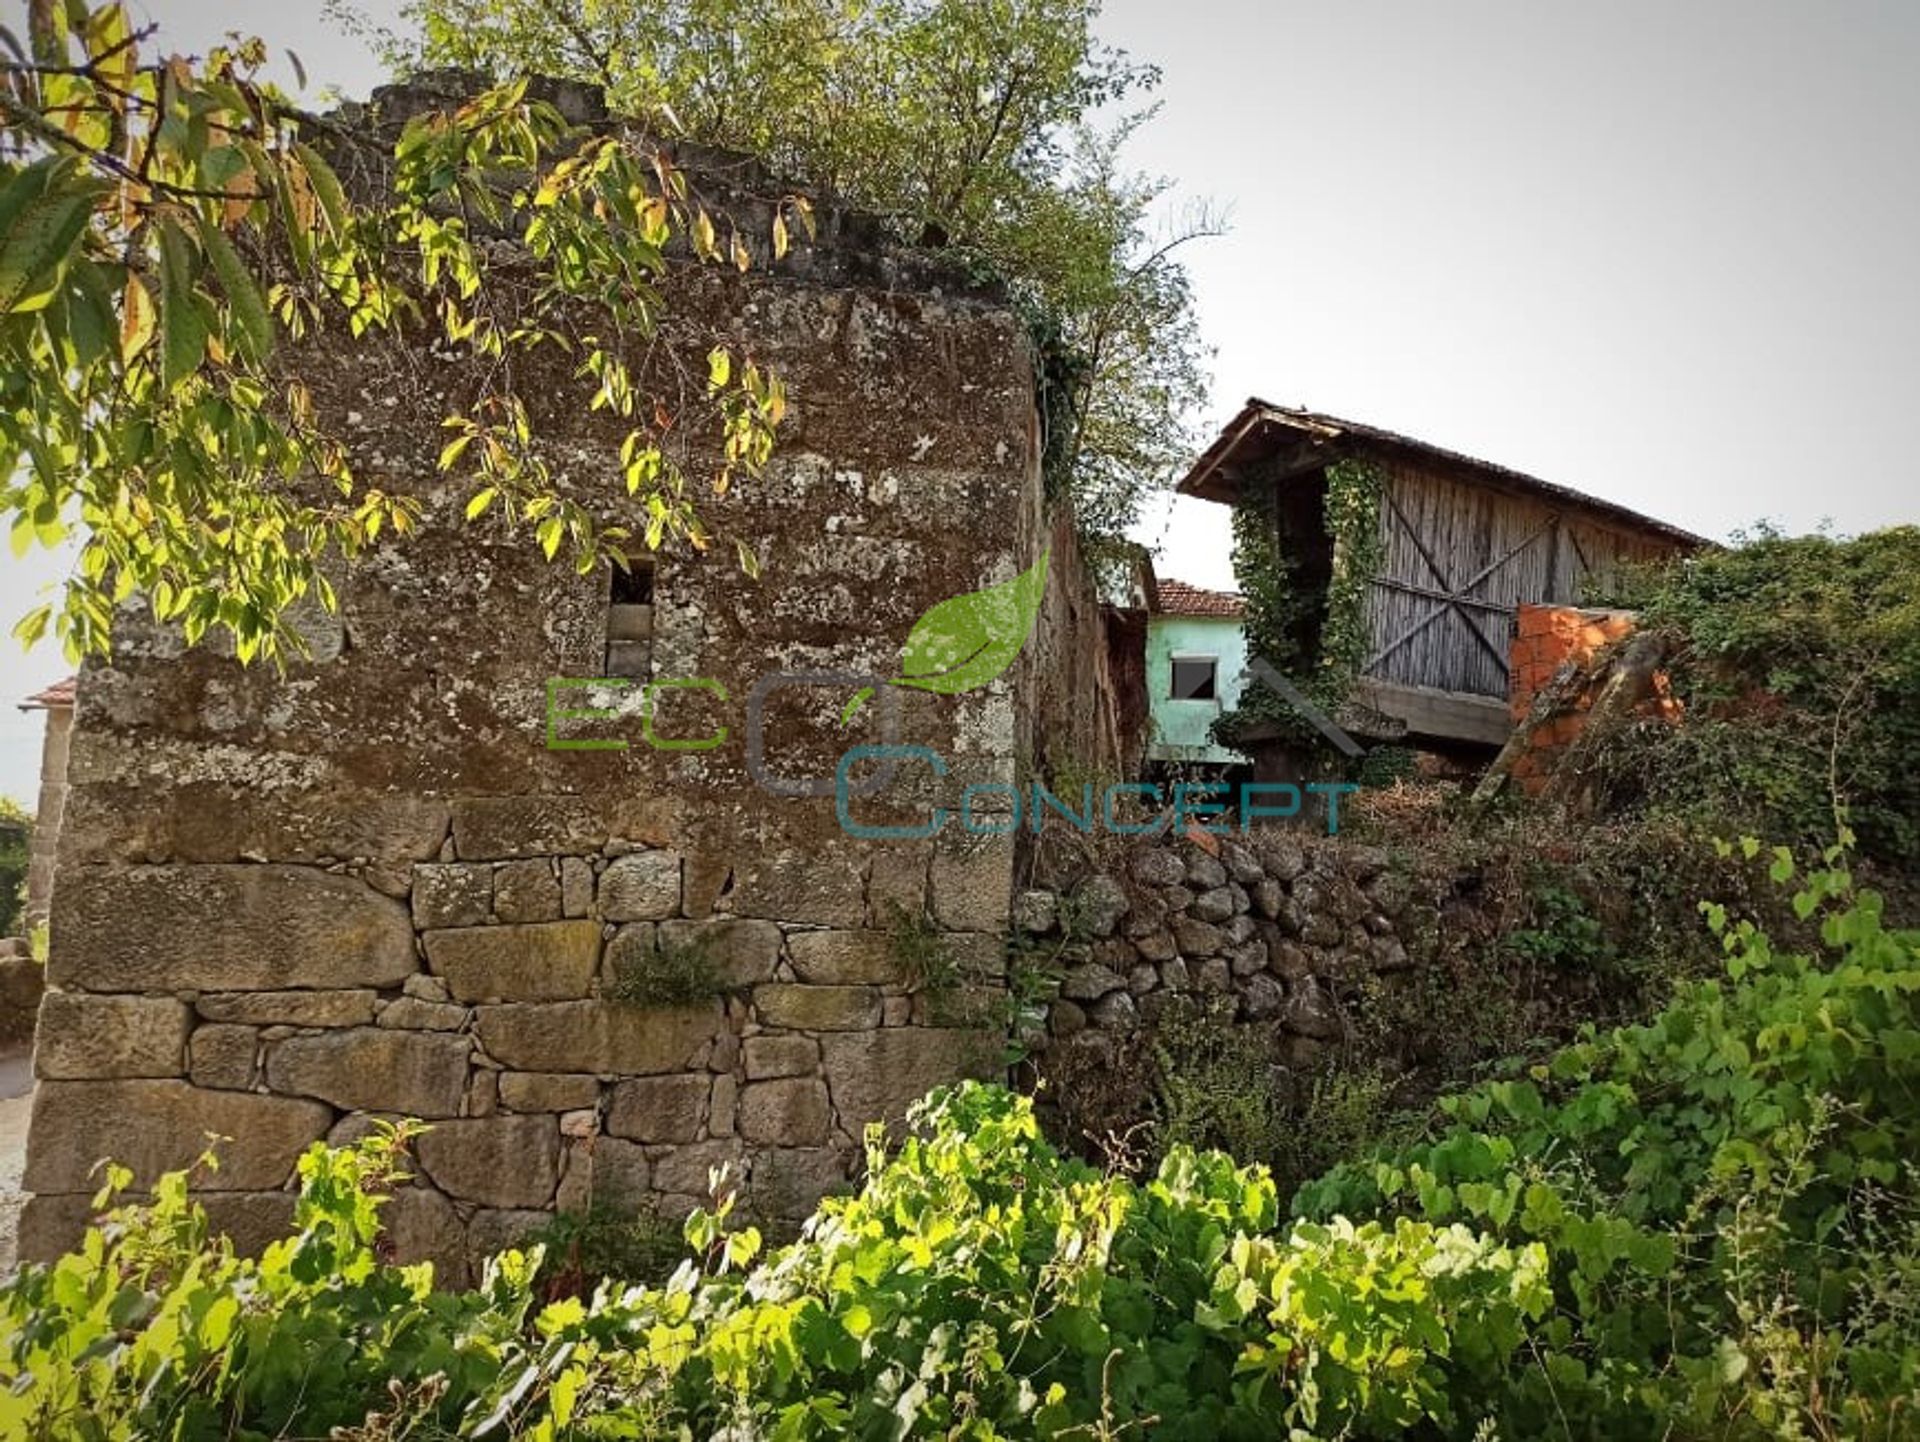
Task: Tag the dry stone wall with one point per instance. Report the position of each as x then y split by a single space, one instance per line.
287 904
1282 930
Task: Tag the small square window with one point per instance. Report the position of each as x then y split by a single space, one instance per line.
630 621
1195 678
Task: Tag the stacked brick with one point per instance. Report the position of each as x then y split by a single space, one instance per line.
1546 639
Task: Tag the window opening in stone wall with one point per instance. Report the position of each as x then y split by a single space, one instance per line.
630 621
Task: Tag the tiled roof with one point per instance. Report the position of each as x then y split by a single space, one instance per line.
1177 598
60 693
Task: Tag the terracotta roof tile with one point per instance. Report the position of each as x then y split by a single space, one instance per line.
60 693
1177 598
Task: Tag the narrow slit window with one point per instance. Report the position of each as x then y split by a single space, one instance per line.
1196 678
630 621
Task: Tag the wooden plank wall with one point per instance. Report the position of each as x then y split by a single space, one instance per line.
1458 558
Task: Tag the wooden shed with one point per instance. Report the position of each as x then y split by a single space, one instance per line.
1463 543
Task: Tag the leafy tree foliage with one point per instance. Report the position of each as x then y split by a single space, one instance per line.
169 227
16 837
973 124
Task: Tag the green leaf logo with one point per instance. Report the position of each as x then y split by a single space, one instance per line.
965 641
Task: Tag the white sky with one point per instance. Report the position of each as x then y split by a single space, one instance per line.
1664 253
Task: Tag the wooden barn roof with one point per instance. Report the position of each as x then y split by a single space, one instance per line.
1262 430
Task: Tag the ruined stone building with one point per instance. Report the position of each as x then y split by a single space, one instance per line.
372 886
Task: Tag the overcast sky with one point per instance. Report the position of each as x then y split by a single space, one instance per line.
1665 253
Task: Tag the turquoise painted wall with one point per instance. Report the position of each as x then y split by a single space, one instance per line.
1180 727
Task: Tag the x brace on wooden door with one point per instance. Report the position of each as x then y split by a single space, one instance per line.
1455 599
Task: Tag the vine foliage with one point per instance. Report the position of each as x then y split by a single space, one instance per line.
1312 629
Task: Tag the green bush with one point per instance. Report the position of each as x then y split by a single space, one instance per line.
979 1285
1727 1194
1223 1085
1799 661
605 1243
16 838
1707 1226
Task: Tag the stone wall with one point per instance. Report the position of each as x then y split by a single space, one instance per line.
1293 933
46 821
364 887
1280 924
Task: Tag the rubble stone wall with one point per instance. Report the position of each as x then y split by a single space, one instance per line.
291 902
1280 930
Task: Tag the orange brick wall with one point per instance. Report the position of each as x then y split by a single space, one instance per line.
1546 638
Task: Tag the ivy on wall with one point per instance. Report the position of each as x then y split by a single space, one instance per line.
1354 494
1316 634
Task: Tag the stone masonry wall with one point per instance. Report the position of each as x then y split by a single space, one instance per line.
1287 932
1278 923
365 887
46 823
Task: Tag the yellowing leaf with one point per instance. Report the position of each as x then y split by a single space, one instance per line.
137 318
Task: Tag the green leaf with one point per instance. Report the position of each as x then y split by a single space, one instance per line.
38 243
326 187
249 306
183 330
480 502
963 643
32 626
90 319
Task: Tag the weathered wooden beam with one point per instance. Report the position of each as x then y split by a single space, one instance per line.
1443 715
1414 588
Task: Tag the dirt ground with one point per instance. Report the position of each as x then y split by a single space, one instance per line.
16 1097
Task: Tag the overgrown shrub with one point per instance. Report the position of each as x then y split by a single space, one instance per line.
979 1285
1798 659
16 836
1222 1085
1727 1194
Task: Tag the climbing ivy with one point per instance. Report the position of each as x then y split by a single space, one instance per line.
1354 491
1315 634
